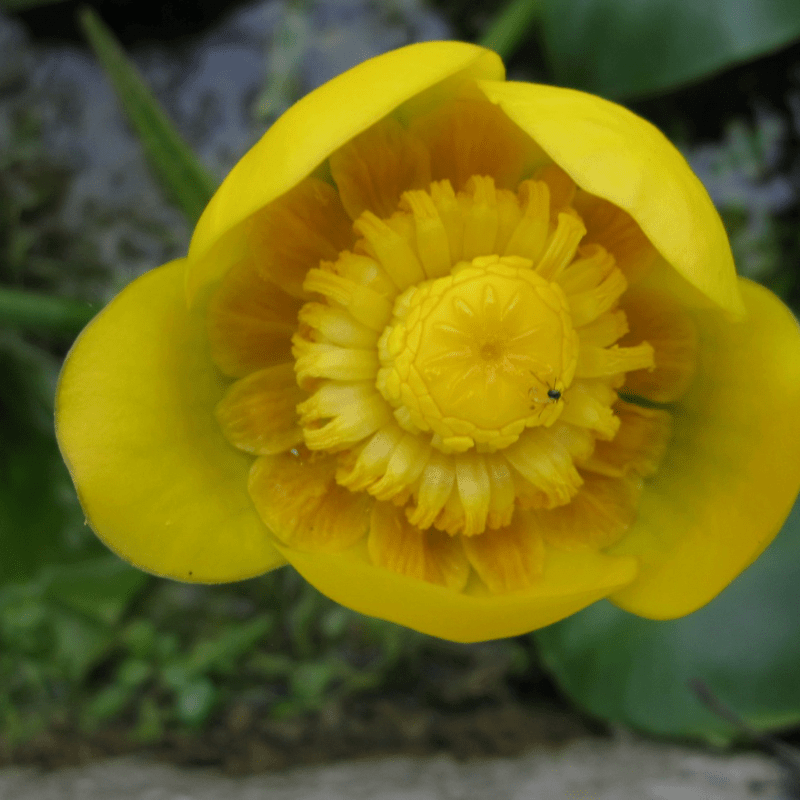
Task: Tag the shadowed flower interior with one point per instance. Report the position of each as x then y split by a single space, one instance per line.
443 348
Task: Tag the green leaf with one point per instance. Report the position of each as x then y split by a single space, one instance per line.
100 589
745 645
223 650
175 165
40 520
78 643
309 682
510 27
107 703
633 48
195 701
43 312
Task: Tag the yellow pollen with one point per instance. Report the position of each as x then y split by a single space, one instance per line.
462 353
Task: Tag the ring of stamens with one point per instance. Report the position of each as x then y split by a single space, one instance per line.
461 361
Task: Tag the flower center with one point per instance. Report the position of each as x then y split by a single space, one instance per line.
459 365
465 356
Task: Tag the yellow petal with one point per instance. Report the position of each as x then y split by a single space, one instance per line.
571 581
598 516
250 322
508 559
374 169
654 317
732 469
258 413
618 156
292 235
135 422
429 556
615 231
299 500
468 137
639 444
322 122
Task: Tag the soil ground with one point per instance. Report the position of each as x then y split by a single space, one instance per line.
242 744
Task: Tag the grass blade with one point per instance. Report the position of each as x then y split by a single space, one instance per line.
177 168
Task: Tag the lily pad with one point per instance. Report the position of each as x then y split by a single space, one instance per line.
634 48
744 645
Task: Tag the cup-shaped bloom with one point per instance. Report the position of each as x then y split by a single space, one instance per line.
469 354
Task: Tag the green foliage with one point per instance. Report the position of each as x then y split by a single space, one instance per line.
633 48
40 521
743 645
54 629
42 312
177 168
511 26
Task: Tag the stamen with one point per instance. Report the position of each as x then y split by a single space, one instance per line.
473 483
353 411
361 467
509 215
436 483
431 236
503 496
364 270
590 407
562 188
596 362
337 326
364 304
547 465
605 330
530 235
322 360
592 267
446 202
585 307
479 210
389 248
562 246
405 465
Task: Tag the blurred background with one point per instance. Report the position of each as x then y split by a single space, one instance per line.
98 658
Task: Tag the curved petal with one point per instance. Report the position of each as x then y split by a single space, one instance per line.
322 122
135 422
732 470
614 154
571 581
298 498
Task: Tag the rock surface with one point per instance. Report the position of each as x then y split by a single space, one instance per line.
596 769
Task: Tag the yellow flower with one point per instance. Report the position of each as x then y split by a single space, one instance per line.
469 354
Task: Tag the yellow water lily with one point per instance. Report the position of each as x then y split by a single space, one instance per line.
468 354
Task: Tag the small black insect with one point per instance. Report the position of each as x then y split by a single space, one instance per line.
553 394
